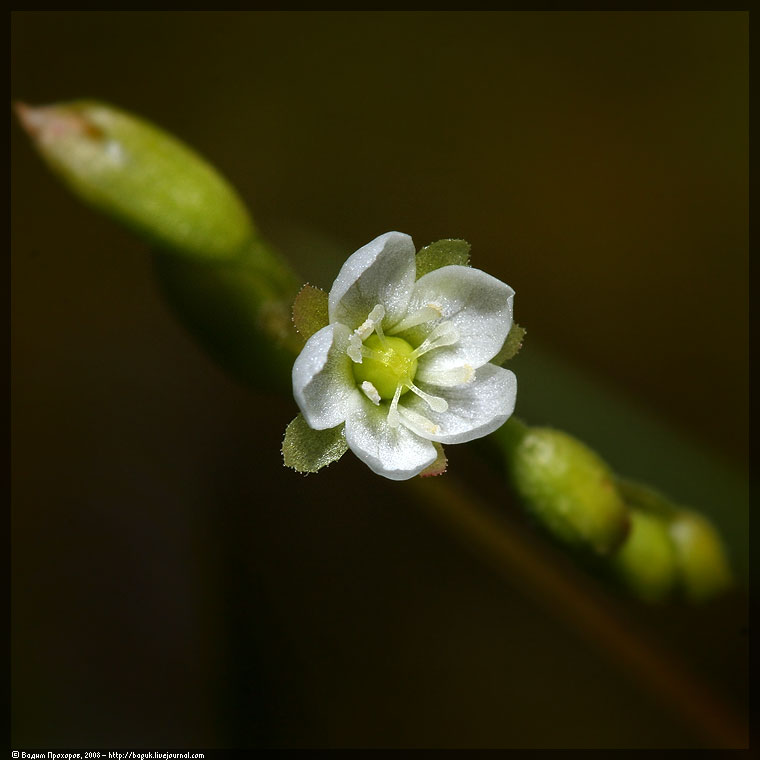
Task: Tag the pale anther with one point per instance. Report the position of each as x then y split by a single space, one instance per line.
436 403
365 329
354 349
371 392
419 421
462 375
375 318
451 377
377 314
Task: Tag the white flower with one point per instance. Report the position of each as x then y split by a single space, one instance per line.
404 363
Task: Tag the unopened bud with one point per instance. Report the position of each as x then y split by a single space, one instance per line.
703 567
568 487
647 559
140 175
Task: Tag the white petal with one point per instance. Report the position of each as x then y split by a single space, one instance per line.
475 409
396 453
478 305
382 272
323 380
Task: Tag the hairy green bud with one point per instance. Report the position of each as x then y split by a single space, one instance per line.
140 175
566 486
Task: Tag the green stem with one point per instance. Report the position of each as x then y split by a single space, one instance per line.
239 310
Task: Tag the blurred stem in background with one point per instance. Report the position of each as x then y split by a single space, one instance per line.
235 294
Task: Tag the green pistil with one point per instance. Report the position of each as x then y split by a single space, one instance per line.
388 364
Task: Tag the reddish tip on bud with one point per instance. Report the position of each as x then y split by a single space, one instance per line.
28 117
46 124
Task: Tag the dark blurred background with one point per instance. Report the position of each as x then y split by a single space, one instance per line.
173 584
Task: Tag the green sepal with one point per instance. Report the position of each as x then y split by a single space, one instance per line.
442 253
307 450
512 345
439 466
310 311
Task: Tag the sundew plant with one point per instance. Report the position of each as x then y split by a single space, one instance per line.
408 353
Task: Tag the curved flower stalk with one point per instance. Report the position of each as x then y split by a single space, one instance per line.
399 358
404 363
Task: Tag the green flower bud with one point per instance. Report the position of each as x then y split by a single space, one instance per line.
140 175
567 486
703 567
647 559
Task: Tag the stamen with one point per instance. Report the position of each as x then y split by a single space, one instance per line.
436 403
375 318
425 314
419 422
355 347
393 418
377 314
365 329
444 334
371 392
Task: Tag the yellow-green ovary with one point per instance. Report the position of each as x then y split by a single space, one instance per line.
392 363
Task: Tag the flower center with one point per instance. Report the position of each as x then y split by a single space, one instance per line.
388 364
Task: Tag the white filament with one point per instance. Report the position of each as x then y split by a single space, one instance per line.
436 403
444 334
425 314
393 418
